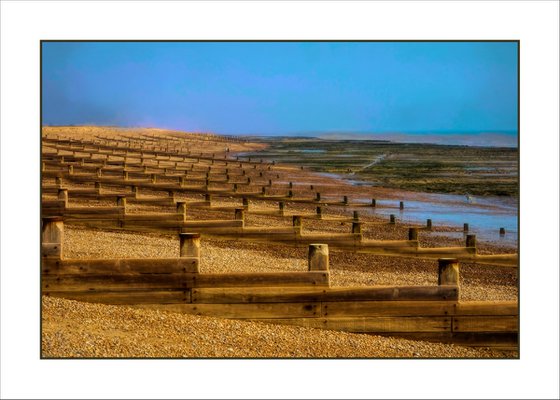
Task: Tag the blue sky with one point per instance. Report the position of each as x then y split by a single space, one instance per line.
283 87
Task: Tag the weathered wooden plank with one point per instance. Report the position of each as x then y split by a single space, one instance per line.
388 244
258 295
152 201
261 279
485 324
505 260
330 238
83 192
285 294
225 227
490 308
496 340
248 311
445 251
111 217
387 308
80 282
213 224
395 293
124 265
51 250
93 210
262 230
127 296
392 325
157 217
104 282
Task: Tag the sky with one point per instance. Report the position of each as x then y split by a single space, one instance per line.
284 88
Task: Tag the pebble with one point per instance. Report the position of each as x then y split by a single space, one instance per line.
75 329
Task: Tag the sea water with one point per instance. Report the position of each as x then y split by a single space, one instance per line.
484 214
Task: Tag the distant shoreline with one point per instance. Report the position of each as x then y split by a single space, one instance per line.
470 139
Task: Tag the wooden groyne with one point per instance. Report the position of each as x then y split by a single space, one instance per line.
299 298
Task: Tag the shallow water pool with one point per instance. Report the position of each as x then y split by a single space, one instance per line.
485 215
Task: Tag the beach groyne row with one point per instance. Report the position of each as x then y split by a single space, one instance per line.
298 298
235 228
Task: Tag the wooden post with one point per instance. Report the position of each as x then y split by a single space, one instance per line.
52 235
63 195
240 214
448 271
401 205
392 219
318 257
121 202
189 244
412 233
465 227
296 222
429 224
357 228
471 241
182 210
502 231
373 202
